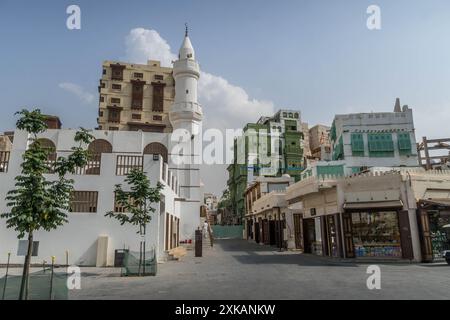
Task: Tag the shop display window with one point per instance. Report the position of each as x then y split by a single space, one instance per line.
376 234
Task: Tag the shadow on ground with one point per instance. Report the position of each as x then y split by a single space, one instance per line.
252 253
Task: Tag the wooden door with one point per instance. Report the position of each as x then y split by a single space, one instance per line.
266 232
425 236
348 236
308 235
298 231
405 235
257 232
272 233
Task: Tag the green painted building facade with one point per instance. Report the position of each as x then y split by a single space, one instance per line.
271 147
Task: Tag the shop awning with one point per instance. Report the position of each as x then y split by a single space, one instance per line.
435 202
373 204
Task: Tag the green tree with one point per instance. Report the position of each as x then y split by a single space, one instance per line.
225 199
38 203
137 206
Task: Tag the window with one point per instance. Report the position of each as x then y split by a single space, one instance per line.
159 77
376 234
4 161
135 116
117 73
137 95
113 128
380 145
157 118
357 142
102 99
404 143
138 75
115 100
84 201
102 84
116 86
104 71
158 98
100 113
338 150
118 207
114 115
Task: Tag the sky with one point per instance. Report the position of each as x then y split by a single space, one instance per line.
256 56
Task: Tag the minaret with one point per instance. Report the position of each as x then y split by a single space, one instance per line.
185 141
186 112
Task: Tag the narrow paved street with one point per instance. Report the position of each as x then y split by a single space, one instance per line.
236 269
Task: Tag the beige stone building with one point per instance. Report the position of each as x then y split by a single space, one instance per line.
135 97
385 213
319 141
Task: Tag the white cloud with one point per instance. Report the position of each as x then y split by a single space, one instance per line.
224 105
143 44
78 91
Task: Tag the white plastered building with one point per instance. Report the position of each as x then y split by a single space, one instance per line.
91 239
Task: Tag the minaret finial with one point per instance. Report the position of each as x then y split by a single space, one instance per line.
187 30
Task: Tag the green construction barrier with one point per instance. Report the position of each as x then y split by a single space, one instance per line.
227 232
131 264
39 286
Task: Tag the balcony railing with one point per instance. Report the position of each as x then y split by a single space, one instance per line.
92 167
125 164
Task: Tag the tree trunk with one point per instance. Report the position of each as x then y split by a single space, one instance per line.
140 258
143 252
24 286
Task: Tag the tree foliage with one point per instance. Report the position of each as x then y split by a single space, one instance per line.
36 202
136 203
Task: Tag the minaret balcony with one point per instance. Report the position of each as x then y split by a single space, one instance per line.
186 66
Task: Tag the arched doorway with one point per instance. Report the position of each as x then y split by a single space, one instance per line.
96 148
157 148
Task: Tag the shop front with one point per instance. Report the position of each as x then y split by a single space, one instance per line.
321 235
377 232
434 222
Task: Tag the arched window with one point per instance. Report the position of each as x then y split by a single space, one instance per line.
100 146
49 146
156 148
96 148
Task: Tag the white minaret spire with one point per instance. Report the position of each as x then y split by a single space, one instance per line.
185 142
186 112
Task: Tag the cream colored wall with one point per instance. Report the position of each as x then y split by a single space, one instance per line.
324 201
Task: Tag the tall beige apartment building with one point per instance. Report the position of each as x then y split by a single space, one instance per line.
319 141
135 97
